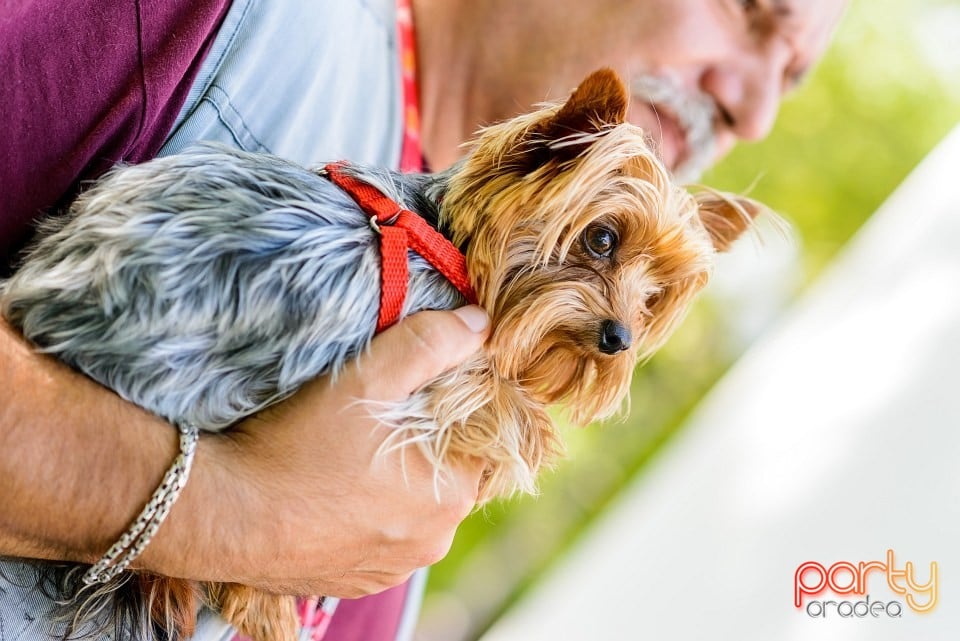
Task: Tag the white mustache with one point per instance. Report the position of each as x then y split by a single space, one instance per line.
695 112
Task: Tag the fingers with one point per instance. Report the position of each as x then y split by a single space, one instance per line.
355 585
418 349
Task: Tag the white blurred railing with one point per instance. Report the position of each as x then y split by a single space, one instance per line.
835 438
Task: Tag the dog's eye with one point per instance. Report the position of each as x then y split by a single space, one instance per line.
600 240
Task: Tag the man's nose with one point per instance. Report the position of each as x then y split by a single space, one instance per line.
748 90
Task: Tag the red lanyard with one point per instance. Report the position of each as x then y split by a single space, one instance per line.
411 154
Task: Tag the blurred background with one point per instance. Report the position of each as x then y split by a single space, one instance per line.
886 93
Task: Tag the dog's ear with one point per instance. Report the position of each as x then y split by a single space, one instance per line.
601 99
725 216
599 102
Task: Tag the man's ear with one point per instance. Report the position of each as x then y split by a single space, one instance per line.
726 217
599 102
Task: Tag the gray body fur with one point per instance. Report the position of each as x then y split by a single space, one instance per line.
204 287
208 285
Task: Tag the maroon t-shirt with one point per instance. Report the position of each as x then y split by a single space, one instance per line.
85 84
372 618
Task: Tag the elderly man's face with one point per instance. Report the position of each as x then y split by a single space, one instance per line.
706 73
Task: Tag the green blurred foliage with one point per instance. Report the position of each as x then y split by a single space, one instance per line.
872 109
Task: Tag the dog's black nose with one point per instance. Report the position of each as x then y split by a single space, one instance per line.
614 337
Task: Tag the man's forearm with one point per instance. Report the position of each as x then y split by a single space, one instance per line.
77 463
294 499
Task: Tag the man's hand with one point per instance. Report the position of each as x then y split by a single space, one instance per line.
297 500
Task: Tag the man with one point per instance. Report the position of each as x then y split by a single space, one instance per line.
294 499
735 59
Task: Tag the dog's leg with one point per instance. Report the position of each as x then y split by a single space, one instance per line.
256 614
173 602
472 413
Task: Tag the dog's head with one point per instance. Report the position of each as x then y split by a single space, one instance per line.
580 245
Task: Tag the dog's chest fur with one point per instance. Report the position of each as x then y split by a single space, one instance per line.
208 285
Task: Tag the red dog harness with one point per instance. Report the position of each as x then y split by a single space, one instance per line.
401 229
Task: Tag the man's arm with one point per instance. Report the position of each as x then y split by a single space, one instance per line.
293 500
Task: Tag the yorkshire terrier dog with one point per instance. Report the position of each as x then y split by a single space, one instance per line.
208 285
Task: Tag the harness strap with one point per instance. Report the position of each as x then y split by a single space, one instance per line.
401 230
